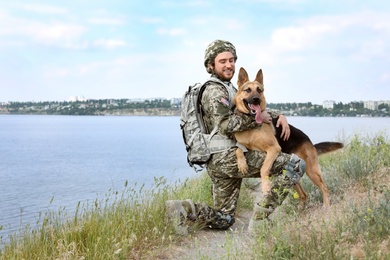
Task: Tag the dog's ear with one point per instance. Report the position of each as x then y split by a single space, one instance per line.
242 77
259 77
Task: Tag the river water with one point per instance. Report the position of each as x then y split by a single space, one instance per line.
48 162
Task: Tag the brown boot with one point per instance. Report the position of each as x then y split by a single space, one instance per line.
178 213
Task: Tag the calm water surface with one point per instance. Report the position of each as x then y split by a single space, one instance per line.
75 158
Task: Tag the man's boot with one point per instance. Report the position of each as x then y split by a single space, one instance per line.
179 213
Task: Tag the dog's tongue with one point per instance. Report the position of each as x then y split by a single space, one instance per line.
259 117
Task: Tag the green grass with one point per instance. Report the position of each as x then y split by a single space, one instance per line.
130 224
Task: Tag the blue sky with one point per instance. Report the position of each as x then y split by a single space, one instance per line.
310 51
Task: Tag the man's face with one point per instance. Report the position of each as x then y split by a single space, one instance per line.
224 65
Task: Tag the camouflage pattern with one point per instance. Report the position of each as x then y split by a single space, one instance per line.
217 104
222 167
215 48
281 184
208 217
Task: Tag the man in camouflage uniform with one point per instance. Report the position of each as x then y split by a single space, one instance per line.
216 102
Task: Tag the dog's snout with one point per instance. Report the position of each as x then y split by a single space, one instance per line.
256 100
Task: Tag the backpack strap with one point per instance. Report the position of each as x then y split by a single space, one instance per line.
217 80
217 142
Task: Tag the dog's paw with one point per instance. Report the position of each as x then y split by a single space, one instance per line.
266 186
242 167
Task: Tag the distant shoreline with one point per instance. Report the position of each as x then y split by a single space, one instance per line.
160 107
160 112
111 112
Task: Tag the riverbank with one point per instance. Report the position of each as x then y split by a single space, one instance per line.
130 225
164 109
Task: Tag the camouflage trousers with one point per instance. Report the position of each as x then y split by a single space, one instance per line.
226 184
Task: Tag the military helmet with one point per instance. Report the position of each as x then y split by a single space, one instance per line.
215 48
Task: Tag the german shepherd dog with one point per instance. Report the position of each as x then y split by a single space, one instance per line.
250 100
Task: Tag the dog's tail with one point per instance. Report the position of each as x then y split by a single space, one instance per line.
326 147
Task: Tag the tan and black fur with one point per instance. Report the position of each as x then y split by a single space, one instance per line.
250 100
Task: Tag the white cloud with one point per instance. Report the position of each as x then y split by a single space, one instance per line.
298 37
106 21
198 3
46 9
152 20
109 43
54 73
56 32
234 25
171 32
39 32
100 67
385 77
79 45
328 35
370 49
199 21
278 2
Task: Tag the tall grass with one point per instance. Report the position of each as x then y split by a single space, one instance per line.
120 225
130 224
364 155
357 226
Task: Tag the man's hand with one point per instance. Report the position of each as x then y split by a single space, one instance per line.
282 121
266 117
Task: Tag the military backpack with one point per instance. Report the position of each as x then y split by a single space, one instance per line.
199 144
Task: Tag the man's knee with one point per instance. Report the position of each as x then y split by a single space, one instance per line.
294 169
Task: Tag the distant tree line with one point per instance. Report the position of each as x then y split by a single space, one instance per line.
351 109
127 106
89 107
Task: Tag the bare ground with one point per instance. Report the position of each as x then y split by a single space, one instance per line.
209 244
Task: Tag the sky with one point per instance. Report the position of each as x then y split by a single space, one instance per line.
309 50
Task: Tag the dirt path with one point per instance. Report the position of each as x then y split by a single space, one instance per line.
209 244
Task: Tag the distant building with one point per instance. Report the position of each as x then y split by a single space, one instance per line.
135 100
328 104
175 101
373 105
77 98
